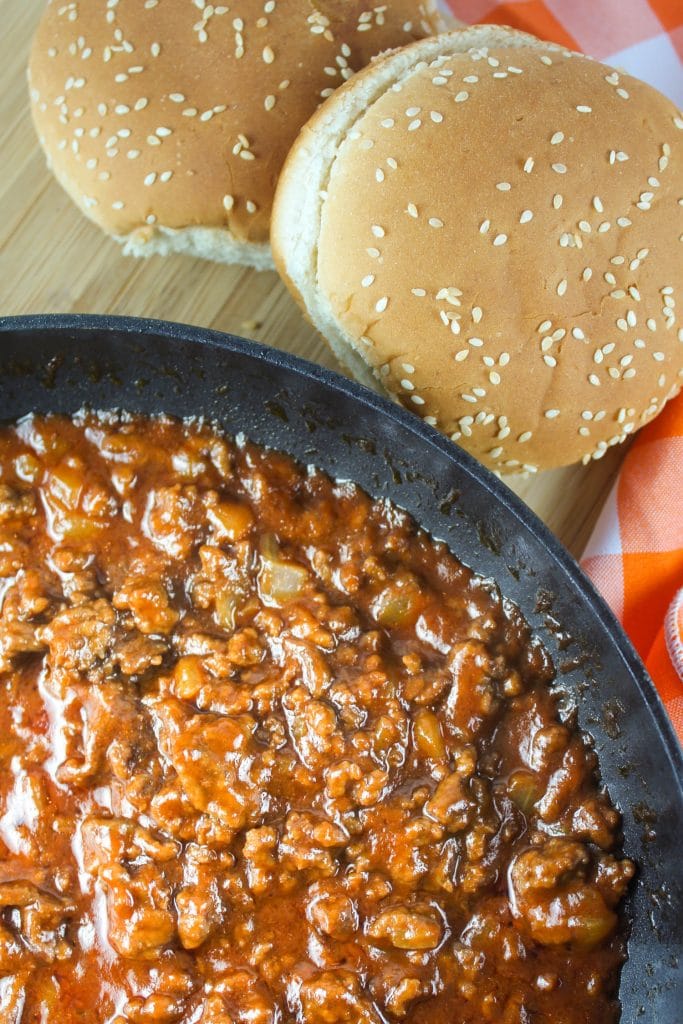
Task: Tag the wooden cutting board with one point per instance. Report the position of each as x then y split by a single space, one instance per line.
53 260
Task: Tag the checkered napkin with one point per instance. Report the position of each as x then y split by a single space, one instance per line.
644 37
635 556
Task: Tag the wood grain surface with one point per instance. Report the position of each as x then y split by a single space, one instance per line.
53 260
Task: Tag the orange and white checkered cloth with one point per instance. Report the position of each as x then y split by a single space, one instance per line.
644 37
635 556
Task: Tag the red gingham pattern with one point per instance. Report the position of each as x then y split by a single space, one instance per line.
644 37
635 556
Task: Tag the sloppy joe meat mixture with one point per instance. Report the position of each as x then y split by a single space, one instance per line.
271 755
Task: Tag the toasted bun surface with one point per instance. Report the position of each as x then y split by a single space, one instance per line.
493 228
168 122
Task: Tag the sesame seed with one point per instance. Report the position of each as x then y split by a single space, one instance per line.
475 342
407 385
461 355
420 292
268 55
525 216
461 96
411 209
545 326
495 452
434 222
379 175
378 231
562 287
551 414
556 138
414 125
436 117
176 97
549 360
228 202
417 400
594 380
373 253
382 304
367 280
476 314
150 178
503 186
557 201
526 435
559 168
484 226
408 367
622 92
500 239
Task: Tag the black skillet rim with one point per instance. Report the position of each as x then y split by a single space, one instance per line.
500 493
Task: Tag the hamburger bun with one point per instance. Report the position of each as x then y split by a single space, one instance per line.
167 123
492 228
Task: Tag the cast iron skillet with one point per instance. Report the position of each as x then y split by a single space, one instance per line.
59 364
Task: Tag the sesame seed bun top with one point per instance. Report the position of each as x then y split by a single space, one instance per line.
164 118
494 228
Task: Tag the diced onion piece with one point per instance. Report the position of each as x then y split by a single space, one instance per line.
524 790
227 603
280 581
427 735
397 605
230 520
65 484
